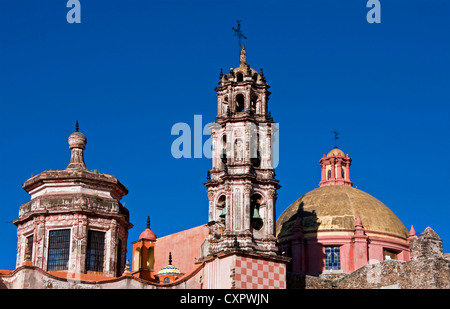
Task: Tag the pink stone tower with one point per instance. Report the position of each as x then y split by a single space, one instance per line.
241 184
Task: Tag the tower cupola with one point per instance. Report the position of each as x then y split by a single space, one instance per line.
335 169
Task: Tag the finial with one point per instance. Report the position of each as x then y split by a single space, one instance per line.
148 222
127 266
358 221
170 258
77 144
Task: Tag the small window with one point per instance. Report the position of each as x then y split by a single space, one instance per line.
95 251
166 280
29 248
390 254
329 174
58 250
332 258
342 172
239 77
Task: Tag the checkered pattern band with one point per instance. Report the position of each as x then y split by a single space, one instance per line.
253 273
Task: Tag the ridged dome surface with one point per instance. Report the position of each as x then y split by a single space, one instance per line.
147 234
335 151
336 208
169 269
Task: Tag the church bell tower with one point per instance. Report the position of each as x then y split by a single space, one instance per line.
241 184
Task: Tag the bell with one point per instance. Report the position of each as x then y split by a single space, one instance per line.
224 212
256 221
255 214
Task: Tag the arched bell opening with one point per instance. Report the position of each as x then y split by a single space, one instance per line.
221 207
240 103
256 221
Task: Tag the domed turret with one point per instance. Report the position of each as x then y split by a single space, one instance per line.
335 169
169 273
147 234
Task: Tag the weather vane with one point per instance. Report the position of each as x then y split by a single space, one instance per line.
336 137
238 32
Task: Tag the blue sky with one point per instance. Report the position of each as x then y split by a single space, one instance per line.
132 69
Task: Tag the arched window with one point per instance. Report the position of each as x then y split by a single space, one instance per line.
329 174
221 203
342 172
166 280
137 259
239 77
256 221
240 103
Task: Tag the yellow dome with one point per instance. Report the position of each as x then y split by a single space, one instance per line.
336 208
335 151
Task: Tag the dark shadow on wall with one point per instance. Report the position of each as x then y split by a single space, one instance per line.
298 240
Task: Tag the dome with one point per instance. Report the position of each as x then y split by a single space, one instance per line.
335 151
169 270
336 208
147 234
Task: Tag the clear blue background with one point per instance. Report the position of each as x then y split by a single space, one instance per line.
132 69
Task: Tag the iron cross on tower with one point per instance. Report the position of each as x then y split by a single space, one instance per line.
336 134
238 33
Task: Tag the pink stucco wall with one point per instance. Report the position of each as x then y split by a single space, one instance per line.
354 253
185 247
